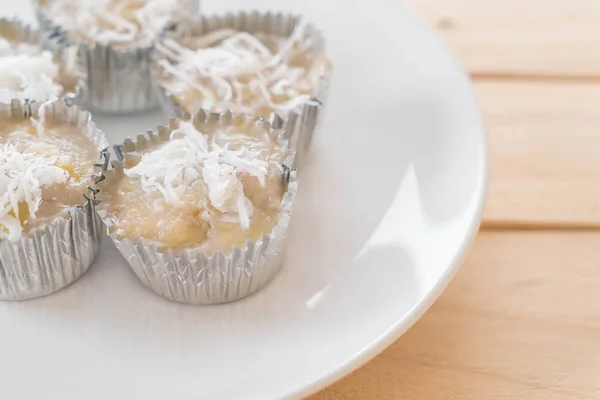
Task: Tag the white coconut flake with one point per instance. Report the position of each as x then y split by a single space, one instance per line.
8 48
189 156
5 46
22 177
27 76
240 72
116 21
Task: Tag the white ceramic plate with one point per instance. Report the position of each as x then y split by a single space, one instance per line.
389 202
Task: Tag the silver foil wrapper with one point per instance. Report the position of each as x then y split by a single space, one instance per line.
302 121
118 79
70 77
51 257
192 276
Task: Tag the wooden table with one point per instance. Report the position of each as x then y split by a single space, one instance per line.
521 320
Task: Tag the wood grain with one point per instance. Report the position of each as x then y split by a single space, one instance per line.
515 36
520 321
522 318
544 143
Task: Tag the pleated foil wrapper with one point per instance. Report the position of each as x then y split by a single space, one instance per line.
192 276
118 79
51 257
64 55
304 120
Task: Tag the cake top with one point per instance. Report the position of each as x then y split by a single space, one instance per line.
248 73
115 21
27 72
22 177
205 185
190 155
41 161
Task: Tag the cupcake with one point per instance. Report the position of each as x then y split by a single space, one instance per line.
200 208
255 64
30 72
49 231
115 39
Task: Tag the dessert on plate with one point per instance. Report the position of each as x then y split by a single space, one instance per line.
200 208
256 64
31 72
116 39
49 232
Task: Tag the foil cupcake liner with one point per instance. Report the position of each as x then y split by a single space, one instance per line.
17 31
53 256
303 121
193 277
118 79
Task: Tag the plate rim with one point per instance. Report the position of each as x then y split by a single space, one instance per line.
387 338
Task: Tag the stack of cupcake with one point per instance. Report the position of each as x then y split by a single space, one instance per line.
199 207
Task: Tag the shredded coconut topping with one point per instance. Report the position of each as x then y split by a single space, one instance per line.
189 156
116 21
22 177
240 72
26 73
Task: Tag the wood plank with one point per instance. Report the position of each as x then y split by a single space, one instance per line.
531 37
520 321
544 143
